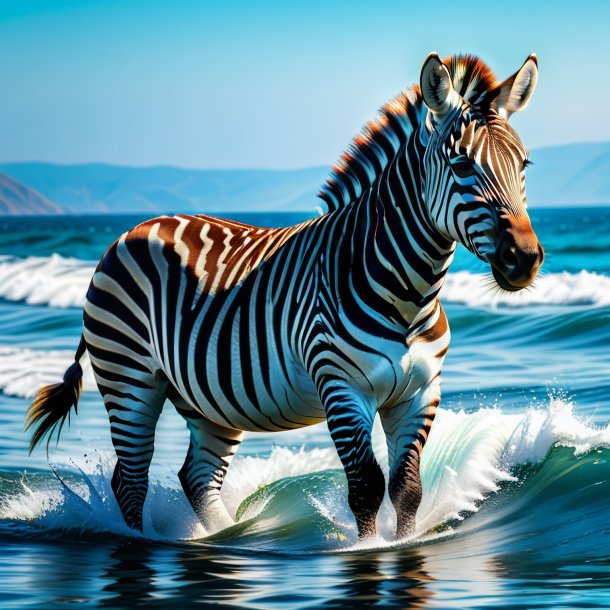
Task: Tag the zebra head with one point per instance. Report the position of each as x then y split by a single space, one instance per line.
474 164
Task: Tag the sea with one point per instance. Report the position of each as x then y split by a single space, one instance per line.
516 472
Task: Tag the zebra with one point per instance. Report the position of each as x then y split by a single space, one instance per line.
337 318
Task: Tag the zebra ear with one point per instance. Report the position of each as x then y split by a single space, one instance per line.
437 87
515 92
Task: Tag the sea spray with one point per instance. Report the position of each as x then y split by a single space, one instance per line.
291 500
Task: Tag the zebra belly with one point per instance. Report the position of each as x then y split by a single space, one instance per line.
239 373
285 405
274 391
293 402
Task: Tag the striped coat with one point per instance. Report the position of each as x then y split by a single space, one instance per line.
338 318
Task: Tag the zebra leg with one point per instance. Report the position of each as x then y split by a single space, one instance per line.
407 426
133 411
210 452
350 422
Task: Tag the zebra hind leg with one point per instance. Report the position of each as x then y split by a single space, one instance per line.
134 406
208 458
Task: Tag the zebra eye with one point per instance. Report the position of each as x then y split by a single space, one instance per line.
463 168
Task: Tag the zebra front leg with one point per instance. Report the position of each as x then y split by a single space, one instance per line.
407 426
210 452
350 422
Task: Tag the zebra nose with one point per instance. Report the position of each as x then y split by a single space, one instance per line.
518 263
508 255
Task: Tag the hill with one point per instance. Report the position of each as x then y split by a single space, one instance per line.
569 175
17 198
98 188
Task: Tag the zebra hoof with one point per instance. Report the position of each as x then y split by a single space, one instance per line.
405 527
135 523
367 528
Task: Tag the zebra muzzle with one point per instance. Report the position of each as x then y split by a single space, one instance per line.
515 265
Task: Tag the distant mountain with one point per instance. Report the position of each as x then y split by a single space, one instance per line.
17 198
573 174
570 175
98 188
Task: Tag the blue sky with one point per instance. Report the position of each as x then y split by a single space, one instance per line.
271 84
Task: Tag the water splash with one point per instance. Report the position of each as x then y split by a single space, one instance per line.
295 500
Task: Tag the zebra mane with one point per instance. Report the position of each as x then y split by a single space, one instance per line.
362 164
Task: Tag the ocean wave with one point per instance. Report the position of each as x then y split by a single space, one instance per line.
24 371
62 282
557 289
45 280
296 500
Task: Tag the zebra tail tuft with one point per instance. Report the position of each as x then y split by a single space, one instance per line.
48 412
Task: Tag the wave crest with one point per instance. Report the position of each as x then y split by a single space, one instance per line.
295 500
24 371
62 282
568 289
45 280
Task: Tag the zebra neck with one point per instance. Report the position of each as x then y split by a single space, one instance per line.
390 262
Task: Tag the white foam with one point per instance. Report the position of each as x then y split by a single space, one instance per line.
24 371
248 474
567 289
466 458
469 454
63 282
45 280
89 505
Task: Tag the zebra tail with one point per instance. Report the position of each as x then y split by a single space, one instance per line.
48 412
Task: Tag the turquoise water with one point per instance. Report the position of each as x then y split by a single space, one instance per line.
516 473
